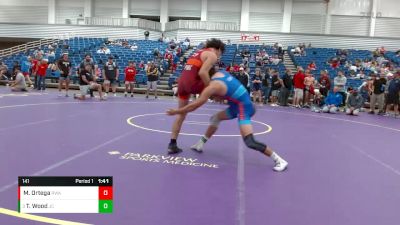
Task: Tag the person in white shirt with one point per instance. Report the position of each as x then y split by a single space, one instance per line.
134 47
19 83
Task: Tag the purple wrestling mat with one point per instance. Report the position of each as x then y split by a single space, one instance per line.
342 170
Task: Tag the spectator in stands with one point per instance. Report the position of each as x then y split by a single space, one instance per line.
312 66
275 60
308 87
276 85
41 74
87 83
19 82
130 76
298 82
354 103
257 80
152 79
360 75
245 53
38 53
378 89
286 86
325 83
393 98
110 74
26 67
65 67
243 78
142 65
382 50
134 47
333 101
340 82
102 50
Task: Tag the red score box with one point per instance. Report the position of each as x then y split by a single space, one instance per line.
105 193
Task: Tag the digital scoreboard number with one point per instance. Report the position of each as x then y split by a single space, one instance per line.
65 194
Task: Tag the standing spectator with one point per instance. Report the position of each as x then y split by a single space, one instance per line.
287 84
276 85
243 78
110 74
87 61
41 74
378 89
333 101
354 103
393 95
266 85
34 68
298 82
87 83
257 80
340 83
130 76
308 87
64 65
26 67
19 82
325 83
152 79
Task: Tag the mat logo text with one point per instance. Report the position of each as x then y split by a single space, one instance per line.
183 161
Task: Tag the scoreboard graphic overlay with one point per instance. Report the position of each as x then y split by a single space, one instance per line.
65 194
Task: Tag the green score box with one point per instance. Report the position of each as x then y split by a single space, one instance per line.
105 206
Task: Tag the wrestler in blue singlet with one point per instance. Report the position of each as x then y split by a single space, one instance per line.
239 100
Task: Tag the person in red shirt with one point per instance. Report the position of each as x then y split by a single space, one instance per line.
298 83
130 77
312 66
236 68
194 78
41 74
34 64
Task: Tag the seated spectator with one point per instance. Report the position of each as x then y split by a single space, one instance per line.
275 60
360 75
332 102
334 63
312 66
393 97
19 82
354 103
134 47
87 82
175 88
102 50
245 53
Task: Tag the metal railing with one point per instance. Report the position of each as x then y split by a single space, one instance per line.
201 25
123 22
27 46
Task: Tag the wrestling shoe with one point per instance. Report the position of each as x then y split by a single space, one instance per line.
280 165
198 147
173 149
